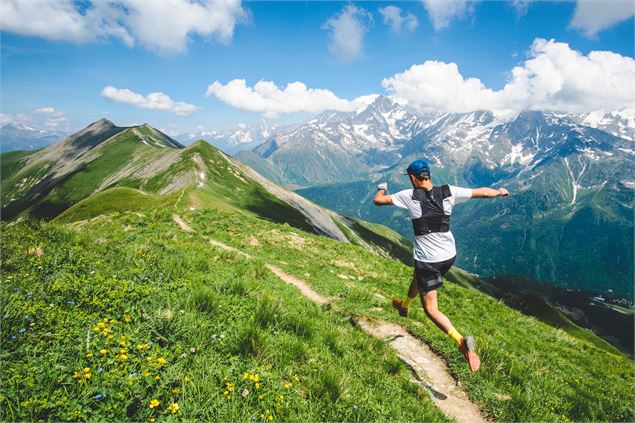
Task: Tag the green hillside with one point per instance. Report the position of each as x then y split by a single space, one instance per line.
214 316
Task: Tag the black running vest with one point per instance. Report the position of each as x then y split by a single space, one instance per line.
433 218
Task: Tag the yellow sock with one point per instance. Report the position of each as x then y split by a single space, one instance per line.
454 334
405 303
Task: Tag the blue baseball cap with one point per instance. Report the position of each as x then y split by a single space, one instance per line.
418 168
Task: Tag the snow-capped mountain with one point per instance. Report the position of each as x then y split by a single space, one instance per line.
241 138
334 146
620 123
18 136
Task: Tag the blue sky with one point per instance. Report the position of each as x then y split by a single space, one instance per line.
58 78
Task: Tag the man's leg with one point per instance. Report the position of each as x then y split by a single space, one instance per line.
402 306
431 307
466 346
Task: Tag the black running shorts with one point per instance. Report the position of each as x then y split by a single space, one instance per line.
428 275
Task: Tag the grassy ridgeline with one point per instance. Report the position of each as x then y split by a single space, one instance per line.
123 319
170 292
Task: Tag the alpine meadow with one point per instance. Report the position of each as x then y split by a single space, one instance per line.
336 211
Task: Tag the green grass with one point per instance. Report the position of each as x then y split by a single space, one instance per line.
541 373
115 200
186 324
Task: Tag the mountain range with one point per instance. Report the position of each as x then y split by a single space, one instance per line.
19 136
571 178
140 166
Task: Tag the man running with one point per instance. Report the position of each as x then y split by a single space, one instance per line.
430 208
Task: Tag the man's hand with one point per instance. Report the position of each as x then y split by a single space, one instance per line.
381 196
504 192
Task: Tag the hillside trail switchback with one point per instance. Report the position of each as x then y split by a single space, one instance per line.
429 370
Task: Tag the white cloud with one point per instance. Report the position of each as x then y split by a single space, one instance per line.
443 11
265 97
162 26
5 119
54 118
521 6
593 16
346 32
155 100
555 77
393 18
46 110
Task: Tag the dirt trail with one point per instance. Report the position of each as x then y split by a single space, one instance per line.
429 369
182 224
306 290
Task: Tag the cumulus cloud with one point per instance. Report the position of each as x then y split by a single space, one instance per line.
160 26
53 118
593 16
555 77
346 31
443 11
155 100
393 18
267 98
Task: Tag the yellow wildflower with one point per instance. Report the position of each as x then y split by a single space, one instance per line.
186 379
95 329
296 379
101 325
123 357
257 386
161 360
127 318
87 375
175 390
103 352
123 344
146 374
152 420
89 354
174 407
154 403
270 417
149 358
86 369
157 377
245 375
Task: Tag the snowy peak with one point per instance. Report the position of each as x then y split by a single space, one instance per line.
240 138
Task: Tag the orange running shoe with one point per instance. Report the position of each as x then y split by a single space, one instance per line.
403 312
468 349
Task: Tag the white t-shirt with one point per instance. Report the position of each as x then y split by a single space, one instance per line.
436 246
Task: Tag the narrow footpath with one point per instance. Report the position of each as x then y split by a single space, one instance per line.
428 369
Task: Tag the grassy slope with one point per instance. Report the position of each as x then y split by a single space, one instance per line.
540 372
187 322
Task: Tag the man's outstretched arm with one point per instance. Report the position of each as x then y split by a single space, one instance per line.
489 192
381 197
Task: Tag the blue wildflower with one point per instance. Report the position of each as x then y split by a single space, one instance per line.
100 370
99 396
22 330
